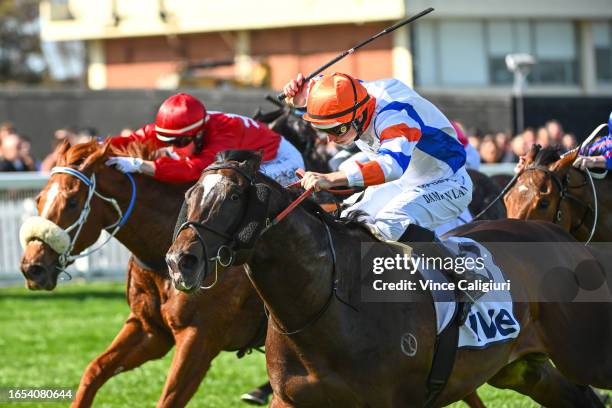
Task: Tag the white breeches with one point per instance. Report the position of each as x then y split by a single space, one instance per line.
282 168
391 207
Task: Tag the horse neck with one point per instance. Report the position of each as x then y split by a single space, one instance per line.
291 268
147 232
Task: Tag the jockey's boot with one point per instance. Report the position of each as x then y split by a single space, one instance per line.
465 298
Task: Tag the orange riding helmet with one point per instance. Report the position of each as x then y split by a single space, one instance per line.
337 99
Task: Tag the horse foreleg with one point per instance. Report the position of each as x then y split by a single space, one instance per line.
132 347
534 376
194 353
474 401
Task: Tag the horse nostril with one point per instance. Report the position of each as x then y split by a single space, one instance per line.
187 262
35 271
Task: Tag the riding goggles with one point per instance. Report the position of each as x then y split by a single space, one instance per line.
178 141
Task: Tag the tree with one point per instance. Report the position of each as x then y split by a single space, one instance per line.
21 57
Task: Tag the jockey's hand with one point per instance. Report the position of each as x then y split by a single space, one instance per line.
589 162
520 165
296 92
321 181
126 164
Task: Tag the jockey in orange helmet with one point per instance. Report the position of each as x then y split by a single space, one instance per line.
415 175
195 136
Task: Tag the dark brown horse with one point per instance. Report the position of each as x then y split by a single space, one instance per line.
320 351
485 190
550 188
227 317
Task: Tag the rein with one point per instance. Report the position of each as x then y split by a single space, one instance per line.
65 258
563 188
231 244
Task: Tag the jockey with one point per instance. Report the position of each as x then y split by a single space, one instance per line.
416 175
195 136
598 154
415 178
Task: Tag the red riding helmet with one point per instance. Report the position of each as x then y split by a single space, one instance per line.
180 115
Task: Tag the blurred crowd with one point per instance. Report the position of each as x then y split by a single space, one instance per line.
15 147
500 147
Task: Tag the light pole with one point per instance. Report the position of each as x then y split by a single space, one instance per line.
519 65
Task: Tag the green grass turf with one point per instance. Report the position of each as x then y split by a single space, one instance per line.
47 340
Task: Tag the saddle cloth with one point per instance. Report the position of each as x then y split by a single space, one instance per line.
491 319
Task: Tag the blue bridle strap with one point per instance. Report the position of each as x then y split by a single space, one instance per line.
73 172
128 212
89 183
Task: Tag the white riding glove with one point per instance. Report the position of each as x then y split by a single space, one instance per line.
126 164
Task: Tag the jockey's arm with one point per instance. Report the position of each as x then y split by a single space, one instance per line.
397 144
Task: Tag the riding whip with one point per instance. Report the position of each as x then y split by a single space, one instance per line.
281 96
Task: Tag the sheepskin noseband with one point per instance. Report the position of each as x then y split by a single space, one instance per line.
46 231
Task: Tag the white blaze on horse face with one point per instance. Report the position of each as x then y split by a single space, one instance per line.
50 198
523 188
209 182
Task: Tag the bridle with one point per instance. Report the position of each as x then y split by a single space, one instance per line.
563 186
231 244
66 258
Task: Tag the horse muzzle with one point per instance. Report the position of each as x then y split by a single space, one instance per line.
187 267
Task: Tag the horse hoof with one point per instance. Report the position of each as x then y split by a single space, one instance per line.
255 397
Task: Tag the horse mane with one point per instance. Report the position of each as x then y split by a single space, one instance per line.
237 155
77 154
547 156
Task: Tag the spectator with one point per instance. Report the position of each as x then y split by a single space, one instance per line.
68 134
529 138
11 160
555 133
489 152
543 138
86 134
502 140
569 142
474 141
25 156
125 132
519 147
6 128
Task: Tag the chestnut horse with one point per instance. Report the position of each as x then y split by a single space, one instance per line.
323 352
550 188
227 317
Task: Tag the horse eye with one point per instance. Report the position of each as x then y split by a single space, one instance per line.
72 202
234 196
544 203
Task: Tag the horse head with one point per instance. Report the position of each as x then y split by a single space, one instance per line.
542 186
65 225
226 211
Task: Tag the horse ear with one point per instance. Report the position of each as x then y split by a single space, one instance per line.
532 153
95 159
562 166
61 150
253 163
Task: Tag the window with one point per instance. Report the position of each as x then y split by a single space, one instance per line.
473 52
60 10
602 40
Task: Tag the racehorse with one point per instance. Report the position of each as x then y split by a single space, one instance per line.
550 188
199 326
322 350
485 190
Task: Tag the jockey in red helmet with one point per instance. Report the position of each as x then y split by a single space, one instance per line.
195 136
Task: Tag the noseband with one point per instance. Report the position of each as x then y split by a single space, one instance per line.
226 253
